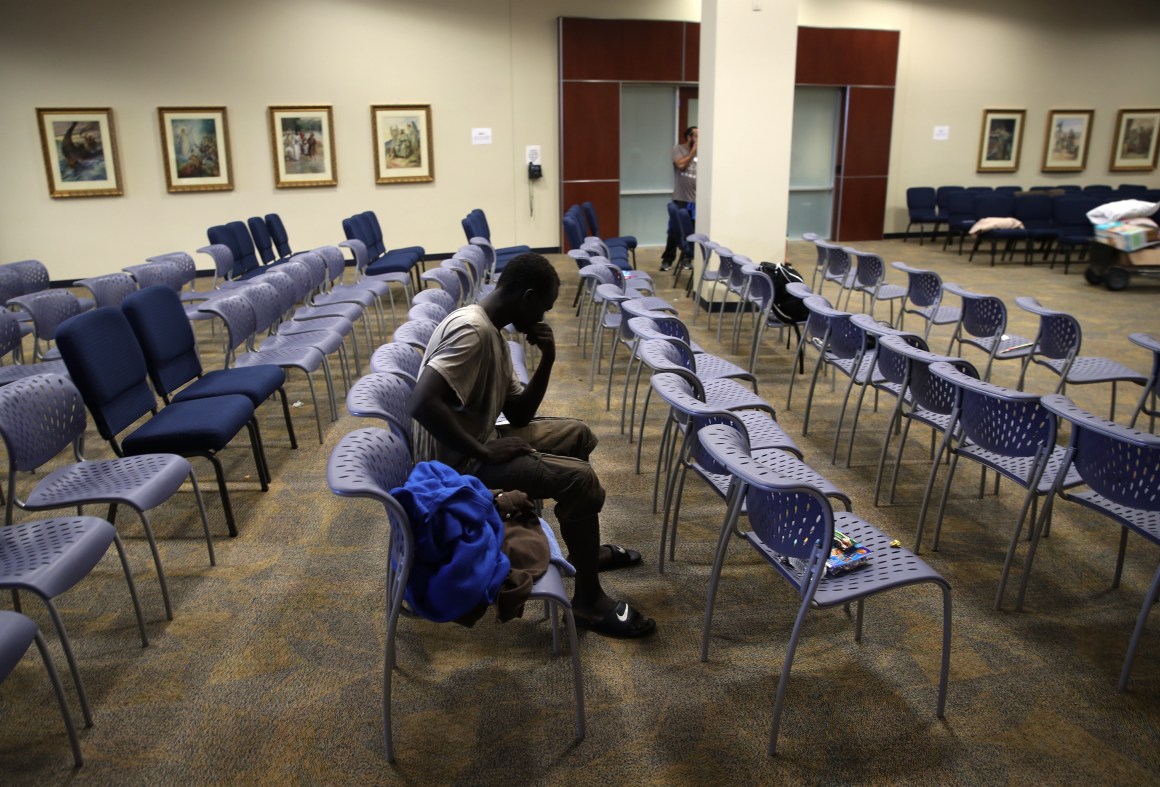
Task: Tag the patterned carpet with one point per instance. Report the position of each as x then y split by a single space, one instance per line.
271 671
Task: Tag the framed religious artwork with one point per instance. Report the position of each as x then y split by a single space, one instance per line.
195 144
80 152
1065 147
402 139
1135 145
302 144
1001 140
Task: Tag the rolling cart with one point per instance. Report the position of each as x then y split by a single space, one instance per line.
1114 268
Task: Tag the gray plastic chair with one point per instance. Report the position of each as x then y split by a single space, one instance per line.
17 633
1057 348
983 324
1120 468
436 296
689 415
48 309
371 462
924 293
792 528
870 279
40 417
415 333
427 311
110 289
11 338
47 557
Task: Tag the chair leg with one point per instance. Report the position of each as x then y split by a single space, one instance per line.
259 454
286 415
786 666
810 394
898 458
577 673
894 415
732 511
156 559
640 434
204 518
224 492
943 445
58 690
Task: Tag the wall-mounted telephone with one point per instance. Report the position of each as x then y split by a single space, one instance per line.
535 171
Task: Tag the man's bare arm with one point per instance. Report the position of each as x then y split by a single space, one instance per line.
433 405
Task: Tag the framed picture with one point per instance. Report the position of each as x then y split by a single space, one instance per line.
195 142
1001 140
80 152
1065 147
302 141
402 139
1135 145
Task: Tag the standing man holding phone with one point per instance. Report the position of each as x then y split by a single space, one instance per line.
467 380
684 191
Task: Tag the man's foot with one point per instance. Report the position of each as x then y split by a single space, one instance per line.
620 622
666 265
613 557
686 264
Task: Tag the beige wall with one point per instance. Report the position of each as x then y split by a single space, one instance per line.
478 63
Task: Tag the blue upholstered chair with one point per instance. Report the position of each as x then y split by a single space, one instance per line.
922 209
108 367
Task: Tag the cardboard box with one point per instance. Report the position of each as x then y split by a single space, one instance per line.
1126 237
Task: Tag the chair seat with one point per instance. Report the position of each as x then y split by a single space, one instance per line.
1020 468
306 358
890 567
866 366
194 426
335 323
143 481
764 432
890 292
731 395
256 383
351 311
1144 523
715 367
49 556
326 341
1092 369
985 343
940 315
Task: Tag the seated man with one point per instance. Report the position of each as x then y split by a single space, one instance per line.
467 380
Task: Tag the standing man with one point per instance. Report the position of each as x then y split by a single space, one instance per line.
467 380
684 191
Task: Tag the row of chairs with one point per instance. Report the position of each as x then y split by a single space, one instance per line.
704 392
582 232
928 205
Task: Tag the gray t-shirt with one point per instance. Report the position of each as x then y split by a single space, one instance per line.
470 353
684 180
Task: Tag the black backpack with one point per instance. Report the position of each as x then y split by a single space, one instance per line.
786 307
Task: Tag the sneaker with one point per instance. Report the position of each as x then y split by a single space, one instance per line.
686 264
666 266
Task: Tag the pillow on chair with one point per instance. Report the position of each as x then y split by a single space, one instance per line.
1121 210
996 223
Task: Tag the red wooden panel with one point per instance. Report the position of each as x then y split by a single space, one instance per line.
831 56
692 51
621 49
869 115
589 150
605 198
863 209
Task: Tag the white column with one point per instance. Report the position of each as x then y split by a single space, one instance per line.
748 59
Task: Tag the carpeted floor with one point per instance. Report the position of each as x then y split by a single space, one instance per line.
271 670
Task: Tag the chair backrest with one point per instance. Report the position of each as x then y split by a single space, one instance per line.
923 287
1060 335
153 273
437 296
960 205
930 392
11 285
371 219
110 289
359 250
818 322
466 280
1117 462
1070 212
267 303
995 205
335 262
286 288
314 263
10 335
395 357
415 333
427 311
370 463
1034 210
871 270
942 198
386 396
165 337
302 277
1008 189
238 315
33 275
921 198
182 267
589 212
223 259
105 362
39 417
49 308
891 365
246 259
663 356
448 280
278 234
261 235
998 419
982 316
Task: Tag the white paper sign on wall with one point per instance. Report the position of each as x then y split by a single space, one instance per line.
942 133
481 136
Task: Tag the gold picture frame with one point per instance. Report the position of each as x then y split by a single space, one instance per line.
1000 140
1065 146
80 152
1137 141
403 143
195 145
302 145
